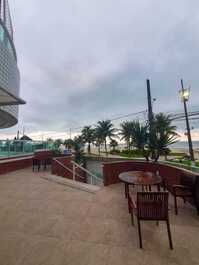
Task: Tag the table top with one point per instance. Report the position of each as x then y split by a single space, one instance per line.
140 178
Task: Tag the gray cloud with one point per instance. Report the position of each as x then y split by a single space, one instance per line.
81 61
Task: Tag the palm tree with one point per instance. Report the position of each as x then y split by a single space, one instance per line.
140 137
78 145
113 144
106 130
88 136
57 143
163 135
98 138
126 132
69 143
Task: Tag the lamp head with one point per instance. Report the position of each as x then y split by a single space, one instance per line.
184 94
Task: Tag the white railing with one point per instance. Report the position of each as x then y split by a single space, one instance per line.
94 180
68 169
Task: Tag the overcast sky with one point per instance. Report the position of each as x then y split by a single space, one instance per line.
82 61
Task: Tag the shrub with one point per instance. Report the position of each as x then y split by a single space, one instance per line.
115 152
131 153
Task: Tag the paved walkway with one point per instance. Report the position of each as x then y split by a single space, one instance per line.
44 223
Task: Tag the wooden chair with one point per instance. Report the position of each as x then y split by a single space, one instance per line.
150 206
42 158
181 191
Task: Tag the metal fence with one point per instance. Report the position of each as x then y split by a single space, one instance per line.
10 148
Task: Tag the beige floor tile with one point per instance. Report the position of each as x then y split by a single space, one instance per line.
13 248
44 251
84 253
36 223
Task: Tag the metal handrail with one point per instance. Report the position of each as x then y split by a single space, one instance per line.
87 171
67 168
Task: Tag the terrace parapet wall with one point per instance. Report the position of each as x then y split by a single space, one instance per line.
171 175
15 163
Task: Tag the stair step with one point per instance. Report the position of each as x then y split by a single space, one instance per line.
73 183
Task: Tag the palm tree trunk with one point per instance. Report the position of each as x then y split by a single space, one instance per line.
128 145
89 148
157 157
99 149
145 155
105 146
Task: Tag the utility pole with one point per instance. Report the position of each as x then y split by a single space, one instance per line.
150 110
70 133
18 135
150 116
184 97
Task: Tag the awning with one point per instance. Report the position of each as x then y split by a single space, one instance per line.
7 98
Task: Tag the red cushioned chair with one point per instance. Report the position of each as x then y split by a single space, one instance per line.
150 206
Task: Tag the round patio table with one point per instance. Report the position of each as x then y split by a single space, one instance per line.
144 178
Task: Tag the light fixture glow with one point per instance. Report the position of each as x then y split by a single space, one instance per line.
184 94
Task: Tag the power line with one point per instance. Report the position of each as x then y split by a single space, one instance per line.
114 119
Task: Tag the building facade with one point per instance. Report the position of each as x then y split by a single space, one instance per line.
9 72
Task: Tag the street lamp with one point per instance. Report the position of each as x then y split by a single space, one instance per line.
184 96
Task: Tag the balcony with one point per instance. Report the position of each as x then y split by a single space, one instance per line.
42 222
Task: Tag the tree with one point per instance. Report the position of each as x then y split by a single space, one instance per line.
88 136
98 138
57 143
154 141
69 143
106 130
126 132
140 137
113 144
78 148
162 134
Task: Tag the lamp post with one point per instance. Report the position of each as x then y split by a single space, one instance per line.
184 96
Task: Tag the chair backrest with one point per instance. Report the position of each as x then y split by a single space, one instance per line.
152 205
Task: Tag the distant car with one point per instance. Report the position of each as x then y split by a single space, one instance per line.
67 152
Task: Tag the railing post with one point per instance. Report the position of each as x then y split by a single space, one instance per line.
73 171
91 180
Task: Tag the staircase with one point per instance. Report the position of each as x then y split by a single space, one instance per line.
75 175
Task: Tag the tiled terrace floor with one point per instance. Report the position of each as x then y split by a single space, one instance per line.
44 223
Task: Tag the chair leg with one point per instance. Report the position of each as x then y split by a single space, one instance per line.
45 164
139 232
175 204
129 205
132 218
126 190
196 204
169 234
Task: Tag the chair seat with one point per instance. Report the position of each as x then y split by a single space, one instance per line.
183 193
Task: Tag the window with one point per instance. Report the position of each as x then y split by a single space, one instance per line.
1 33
